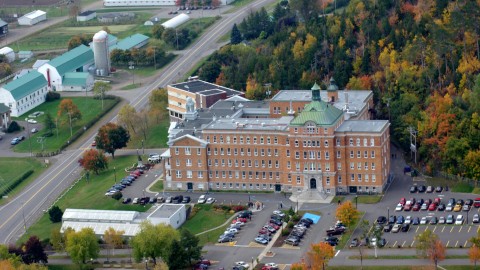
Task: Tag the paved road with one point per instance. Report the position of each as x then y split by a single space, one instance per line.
35 198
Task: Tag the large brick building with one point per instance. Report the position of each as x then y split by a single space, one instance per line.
319 140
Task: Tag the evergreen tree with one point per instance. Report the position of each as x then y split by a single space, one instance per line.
236 36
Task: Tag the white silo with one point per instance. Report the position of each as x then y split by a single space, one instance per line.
101 53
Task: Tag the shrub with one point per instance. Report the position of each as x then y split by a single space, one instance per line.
226 208
290 224
117 195
13 127
194 211
291 212
295 218
285 232
15 183
238 208
55 214
51 96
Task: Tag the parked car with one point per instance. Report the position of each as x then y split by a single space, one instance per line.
416 221
400 220
441 220
160 200
476 218
154 158
408 220
381 220
168 200
126 200
432 207
424 221
429 189
424 207
450 219
405 227
466 208
135 201
459 220
261 240
279 213
186 199
333 241
177 199
336 231
292 241
399 207
210 200
402 201
354 243
242 263
392 220
396 228
14 141
457 208
152 200
433 221
469 202
413 189
387 228
441 207
422 189
439 189
225 239
202 199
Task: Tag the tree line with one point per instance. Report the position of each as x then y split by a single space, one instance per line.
420 59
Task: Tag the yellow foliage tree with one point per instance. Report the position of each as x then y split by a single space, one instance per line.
319 255
346 213
474 255
113 238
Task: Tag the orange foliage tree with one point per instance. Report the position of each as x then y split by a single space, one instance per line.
436 252
474 255
346 213
319 255
68 109
93 160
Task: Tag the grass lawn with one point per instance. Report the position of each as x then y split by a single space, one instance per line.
205 219
476 190
12 168
89 108
368 199
343 239
156 137
158 186
194 69
225 37
131 86
211 237
462 187
89 195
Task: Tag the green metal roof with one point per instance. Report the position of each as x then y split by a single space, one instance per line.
73 59
129 42
4 108
75 78
26 84
319 112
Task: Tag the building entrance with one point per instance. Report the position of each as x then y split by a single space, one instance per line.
313 183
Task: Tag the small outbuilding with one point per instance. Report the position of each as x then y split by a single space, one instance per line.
25 54
86 16
3 28
176 21
9 54
5 118
77 81
32 18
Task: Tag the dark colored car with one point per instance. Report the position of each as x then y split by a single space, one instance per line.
276 222
405 227
225 239
420 201
469 202
354 243
400 220
126 200
336 231
422 189
333 241
381 220
177 199
416 221
152 200
460 202
413 189
441 207
186 199
433 221
392 220
439 189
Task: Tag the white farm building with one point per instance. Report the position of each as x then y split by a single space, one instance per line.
127 221
139 3
32 18
176 21
9 54
24 93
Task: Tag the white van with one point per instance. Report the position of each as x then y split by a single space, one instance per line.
202 199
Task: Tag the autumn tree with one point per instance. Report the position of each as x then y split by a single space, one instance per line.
68 111
346 213
319 255
474 255
57 240
157 31
153 241
82 245
93 160
100 88
113 239
33 251
425 241
189 244
157 104
111 137
436 252
299 266
128 118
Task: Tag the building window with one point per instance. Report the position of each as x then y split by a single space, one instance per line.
327 167
339 179
234 140
221 139
374 178
366 166
243 163
249 163
179 174
262 152
241 151
214 139
327 155
189 174
359 176
365 142
373 166
209 162
255 152
189 162
299 181
275 152
338 142
235 151
372 142
261 140
221 151
351 142
241 139
228 151
358 142
215 151
359 165
224 174
297 154
251 186
339 166
373 154
366 177
288 153
358 154
338 154
248 140
256 163
305 144
188 151
254 140
351 154
352 177
275 140
277 164
208 151
287 141
296 143
229 163
326 143
249 153
289 165
295 130
327 180
297 166
200 174
223 162
289 178
365 154
352 165
244 175
177 151
199 151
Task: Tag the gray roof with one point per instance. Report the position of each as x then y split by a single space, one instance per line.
98 215
198 86
165 210
356 98
86 13
3 108
251 123
2 23
363 126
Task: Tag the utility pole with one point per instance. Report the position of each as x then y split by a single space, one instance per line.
70 118
29 141
413 142
154 58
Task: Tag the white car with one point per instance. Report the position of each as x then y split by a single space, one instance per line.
31 121
459 220
110 193
449 207
273 265
154 157
231 230
242 263
399 207
278 213
424 221
396 228
210 200
408 220
202 199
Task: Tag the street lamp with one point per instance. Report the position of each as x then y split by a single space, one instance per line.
115 174
252 262
388 212
146 265
356 201
143 148
132 67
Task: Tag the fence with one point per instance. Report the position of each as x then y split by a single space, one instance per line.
7 78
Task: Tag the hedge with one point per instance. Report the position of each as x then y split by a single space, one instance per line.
15 183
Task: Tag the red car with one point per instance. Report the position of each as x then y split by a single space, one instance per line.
94 143
402 201
205 262
244 220
264 231
432 207
416 207
407 207
275 226
437 201
139 172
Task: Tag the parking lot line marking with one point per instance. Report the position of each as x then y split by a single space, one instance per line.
404 243
434 228
417 229
447 243
451 230
460 229
337 253
426 228
412 243
469 228
466 242
443 228
394 244
456 243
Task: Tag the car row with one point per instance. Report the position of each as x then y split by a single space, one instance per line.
274 224
124 182
299 231
203 199
428 189
436 205
235 227
338 229
399 223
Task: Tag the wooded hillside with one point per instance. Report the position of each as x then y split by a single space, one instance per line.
419 57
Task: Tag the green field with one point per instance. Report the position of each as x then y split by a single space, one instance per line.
89 195
89 107
156 137
12 168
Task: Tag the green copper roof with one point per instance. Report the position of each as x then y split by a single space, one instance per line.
319 112
26 84
129 42
73 59
75 78
316 92
333 86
